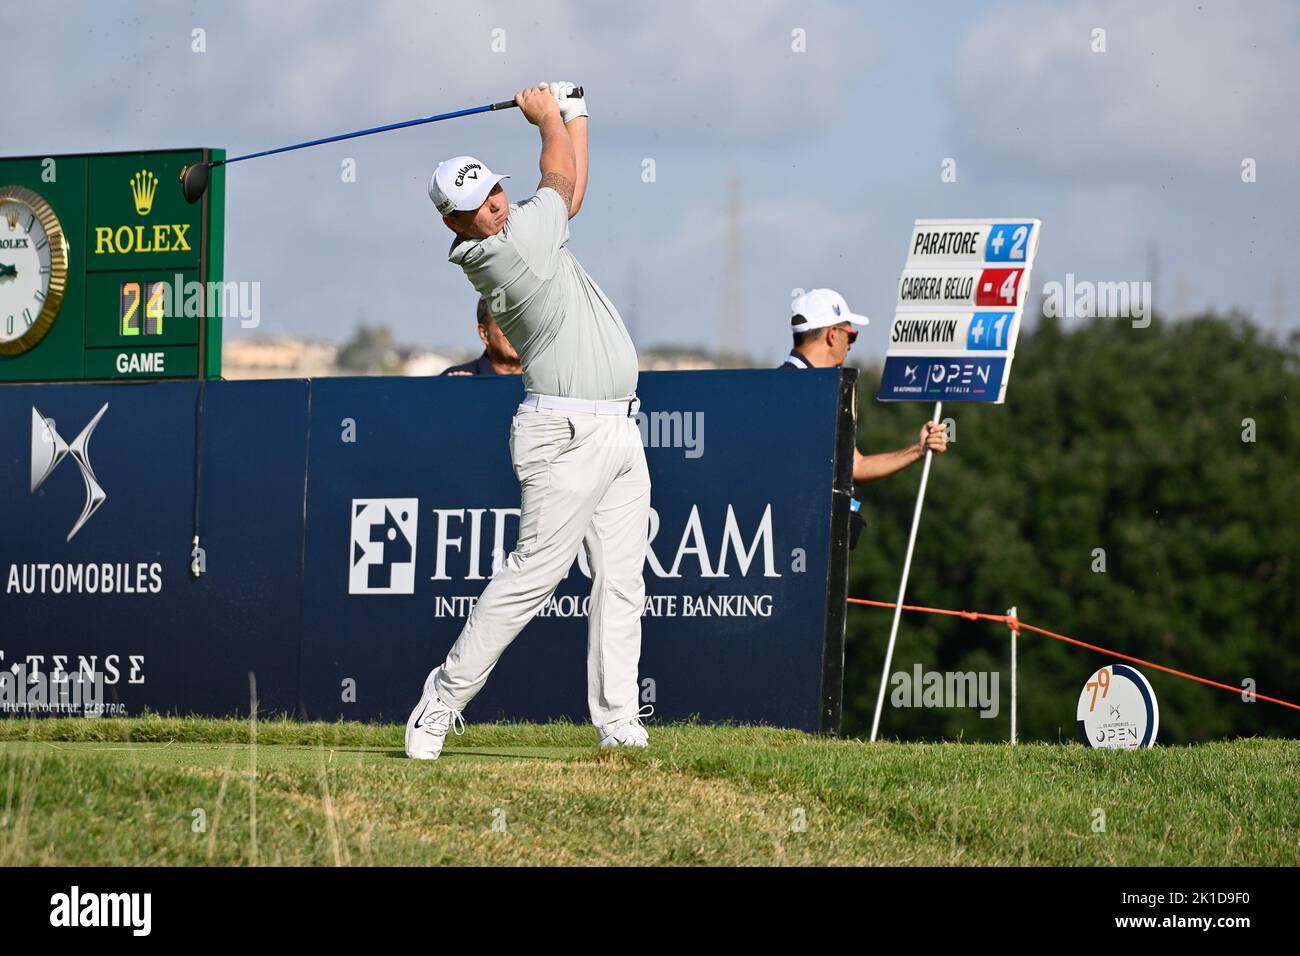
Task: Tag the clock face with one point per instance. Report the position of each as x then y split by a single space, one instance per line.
33 269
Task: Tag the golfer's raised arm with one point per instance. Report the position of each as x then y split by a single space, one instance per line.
577 128
558 165
573 110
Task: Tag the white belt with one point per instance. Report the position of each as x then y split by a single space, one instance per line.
625 407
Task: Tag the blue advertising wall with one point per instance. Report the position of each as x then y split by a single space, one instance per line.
346 526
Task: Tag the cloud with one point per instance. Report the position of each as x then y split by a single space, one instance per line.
718 71
1180 91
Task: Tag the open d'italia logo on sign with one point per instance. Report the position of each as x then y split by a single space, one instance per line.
1118 710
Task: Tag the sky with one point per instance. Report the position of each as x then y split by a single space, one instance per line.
837 121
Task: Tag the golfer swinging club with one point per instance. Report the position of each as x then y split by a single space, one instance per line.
574 440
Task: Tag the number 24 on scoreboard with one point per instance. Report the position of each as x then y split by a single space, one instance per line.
153 309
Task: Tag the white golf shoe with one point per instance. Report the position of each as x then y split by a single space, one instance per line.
626 733
426 729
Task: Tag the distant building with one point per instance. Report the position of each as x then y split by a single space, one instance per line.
297 358
675 360
420 362
276 358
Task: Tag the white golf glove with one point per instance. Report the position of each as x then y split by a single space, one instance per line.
570 108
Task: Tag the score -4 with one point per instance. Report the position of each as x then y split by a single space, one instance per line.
999 287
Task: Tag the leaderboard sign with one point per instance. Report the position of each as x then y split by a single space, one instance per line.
957 316
105 270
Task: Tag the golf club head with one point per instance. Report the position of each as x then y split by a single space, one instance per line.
194 181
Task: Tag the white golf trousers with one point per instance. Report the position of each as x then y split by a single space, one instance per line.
583 480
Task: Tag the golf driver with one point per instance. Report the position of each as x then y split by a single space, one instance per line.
194 178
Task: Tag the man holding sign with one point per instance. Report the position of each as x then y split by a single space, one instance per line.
823 330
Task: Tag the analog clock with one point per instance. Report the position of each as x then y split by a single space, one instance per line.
33 269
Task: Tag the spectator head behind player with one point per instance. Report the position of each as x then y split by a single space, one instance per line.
498 347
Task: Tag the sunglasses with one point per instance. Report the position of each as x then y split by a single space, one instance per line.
850 332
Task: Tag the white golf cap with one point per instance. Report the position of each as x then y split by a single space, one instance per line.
461 183
818 308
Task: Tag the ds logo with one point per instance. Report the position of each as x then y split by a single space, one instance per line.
383 546
49 448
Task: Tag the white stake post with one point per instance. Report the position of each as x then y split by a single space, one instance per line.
1011 612
902 585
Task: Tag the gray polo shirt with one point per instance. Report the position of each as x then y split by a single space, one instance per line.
570 339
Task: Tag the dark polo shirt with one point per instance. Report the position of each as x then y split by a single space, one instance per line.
856 522
480 366
795 360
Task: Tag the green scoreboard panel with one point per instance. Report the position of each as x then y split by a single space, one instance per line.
106 272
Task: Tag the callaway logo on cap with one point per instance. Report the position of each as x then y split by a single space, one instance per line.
462 183
818 308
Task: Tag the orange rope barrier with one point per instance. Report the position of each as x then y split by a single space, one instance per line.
1016 624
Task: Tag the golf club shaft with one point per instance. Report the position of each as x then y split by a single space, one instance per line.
503 105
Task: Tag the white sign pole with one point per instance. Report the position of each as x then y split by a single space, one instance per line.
902 585
1011 612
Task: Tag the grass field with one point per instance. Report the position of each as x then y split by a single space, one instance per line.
189 791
